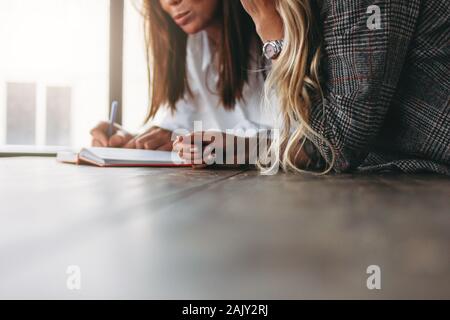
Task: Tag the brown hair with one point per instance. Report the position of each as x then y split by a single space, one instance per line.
166 55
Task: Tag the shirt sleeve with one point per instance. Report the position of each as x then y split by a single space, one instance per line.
362 65
173 120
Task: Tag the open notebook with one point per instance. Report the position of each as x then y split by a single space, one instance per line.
109 157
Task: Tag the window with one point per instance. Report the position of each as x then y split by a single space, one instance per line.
54 70
21 113
135 78
59 102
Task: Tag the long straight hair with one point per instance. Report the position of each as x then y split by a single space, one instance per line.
166 55
295 81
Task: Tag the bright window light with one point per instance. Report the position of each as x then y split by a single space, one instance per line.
54 63
135 81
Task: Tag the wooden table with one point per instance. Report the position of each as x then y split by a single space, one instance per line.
229 234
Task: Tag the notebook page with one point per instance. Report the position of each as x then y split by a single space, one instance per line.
133 156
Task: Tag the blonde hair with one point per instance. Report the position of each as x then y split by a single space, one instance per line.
293 78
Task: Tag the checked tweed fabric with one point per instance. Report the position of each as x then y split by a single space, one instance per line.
386 103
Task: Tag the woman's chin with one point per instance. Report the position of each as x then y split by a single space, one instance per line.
191 29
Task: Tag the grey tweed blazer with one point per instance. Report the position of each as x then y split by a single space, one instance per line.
386 103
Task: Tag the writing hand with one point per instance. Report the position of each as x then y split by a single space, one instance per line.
154 139
119 138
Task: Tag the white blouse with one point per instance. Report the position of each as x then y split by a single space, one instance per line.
204 104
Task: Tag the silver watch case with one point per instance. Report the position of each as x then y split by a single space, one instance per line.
272 49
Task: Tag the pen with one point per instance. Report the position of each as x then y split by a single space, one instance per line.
112 117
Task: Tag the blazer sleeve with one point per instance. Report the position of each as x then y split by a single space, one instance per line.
361 67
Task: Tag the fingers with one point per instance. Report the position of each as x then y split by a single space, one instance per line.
183 144
155 139
178 145
96 143
150 141
131 144
198 139
99 135
120 139
166 147
192 153
116 141
185 151
191 156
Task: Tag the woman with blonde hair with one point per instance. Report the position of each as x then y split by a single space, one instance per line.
363 85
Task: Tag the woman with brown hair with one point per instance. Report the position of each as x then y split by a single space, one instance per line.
201 54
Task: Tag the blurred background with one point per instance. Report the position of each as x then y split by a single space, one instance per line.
55 69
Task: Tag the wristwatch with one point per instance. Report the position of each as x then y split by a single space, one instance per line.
272 49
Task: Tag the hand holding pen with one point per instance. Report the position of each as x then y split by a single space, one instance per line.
110 134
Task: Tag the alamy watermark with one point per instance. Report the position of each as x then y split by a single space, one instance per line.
73 281
374 20
374 280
